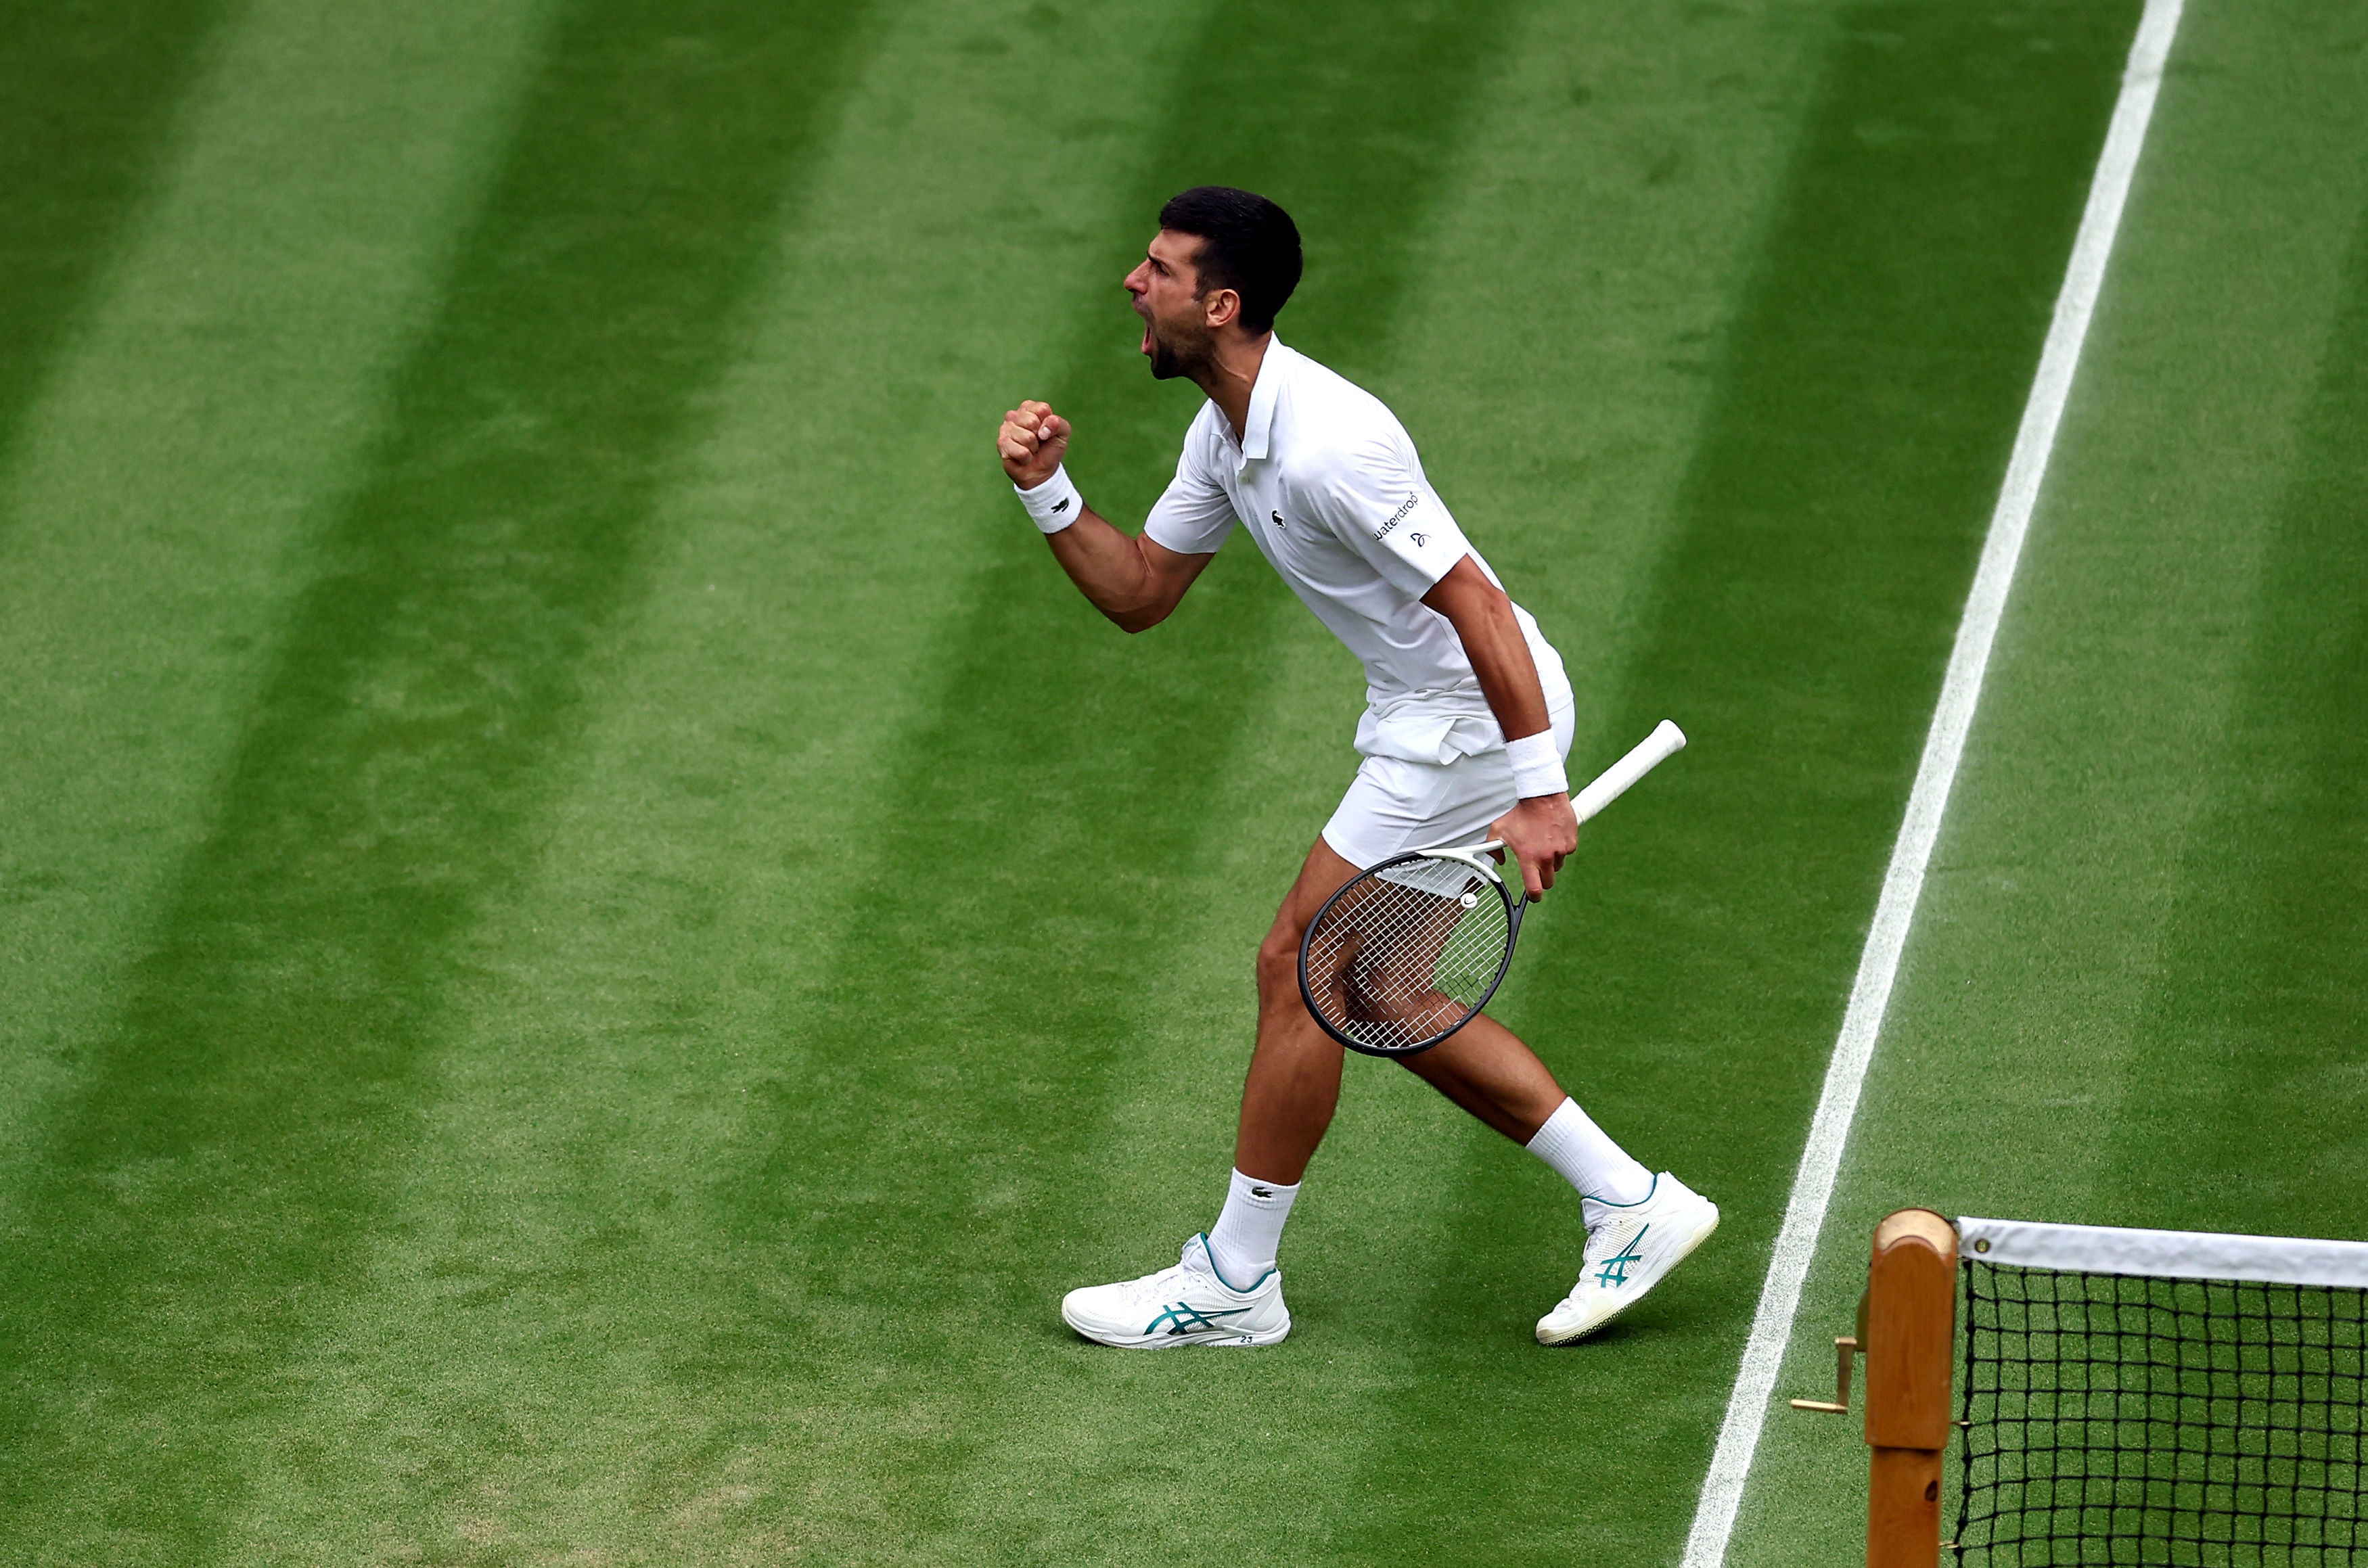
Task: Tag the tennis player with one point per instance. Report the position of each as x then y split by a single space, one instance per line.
1468 721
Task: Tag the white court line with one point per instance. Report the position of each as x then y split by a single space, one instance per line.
1944 746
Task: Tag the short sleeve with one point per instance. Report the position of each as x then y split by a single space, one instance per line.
1193 516
1373 498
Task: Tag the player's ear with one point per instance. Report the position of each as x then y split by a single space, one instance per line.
1222 305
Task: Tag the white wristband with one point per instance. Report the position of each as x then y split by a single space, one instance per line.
1054 504
1537 766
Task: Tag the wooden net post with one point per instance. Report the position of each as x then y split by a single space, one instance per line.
1908 1336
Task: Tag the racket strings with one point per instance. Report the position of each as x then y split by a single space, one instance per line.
1408 954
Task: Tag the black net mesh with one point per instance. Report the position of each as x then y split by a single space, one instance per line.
2114 1419
1407 952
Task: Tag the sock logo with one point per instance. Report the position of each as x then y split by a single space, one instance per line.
1261 1192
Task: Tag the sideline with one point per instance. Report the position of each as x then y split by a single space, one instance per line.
1944 747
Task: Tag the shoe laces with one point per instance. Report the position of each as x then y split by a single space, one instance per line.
1171 1283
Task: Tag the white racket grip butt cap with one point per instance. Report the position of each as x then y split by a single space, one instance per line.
1666 741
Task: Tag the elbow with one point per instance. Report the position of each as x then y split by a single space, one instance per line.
1134 620
1132 613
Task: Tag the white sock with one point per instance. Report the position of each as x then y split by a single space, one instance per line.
1243 1241
1584 1157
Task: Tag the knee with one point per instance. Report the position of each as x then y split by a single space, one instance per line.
1278 963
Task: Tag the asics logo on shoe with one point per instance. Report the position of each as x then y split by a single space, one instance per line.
1615 1269
1182 1319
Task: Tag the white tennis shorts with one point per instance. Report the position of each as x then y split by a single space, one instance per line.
1394 805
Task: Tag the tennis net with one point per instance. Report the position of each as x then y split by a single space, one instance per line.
2161 1397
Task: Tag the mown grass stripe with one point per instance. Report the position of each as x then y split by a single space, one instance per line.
559 1300
1866 399
87 99
1927 802
1012 932
234 1141
2029 1063
2267 959
227 382
1558 365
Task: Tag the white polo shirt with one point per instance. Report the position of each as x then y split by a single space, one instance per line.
1327 482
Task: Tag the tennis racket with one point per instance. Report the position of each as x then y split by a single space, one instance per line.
1411 951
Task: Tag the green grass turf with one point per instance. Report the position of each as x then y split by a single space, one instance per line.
506 1074
233 368
268 1039
90 91
2132 997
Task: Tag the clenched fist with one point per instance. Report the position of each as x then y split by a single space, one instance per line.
1031 443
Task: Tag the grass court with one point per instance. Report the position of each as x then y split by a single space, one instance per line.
591 934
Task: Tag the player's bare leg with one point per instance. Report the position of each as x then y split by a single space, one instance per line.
1639 1226
1487 1069
1207 289
1294 1078
1226 1287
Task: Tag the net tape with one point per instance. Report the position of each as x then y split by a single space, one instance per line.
1408 953
2138 1411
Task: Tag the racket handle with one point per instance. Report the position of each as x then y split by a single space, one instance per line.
1666 741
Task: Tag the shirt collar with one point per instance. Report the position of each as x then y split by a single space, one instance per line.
1272 367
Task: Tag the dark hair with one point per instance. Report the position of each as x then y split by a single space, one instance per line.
1248 245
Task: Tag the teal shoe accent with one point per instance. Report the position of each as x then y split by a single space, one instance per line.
1209 1253
1608 1204
1614 1271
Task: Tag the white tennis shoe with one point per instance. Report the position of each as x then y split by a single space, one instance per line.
1188 1304
1629 1248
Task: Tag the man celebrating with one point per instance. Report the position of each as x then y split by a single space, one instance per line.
1469 719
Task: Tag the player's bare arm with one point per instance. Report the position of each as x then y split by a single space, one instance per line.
1324 482
1541 829
1136 582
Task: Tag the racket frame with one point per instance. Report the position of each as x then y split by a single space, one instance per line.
1666 741
1478 857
